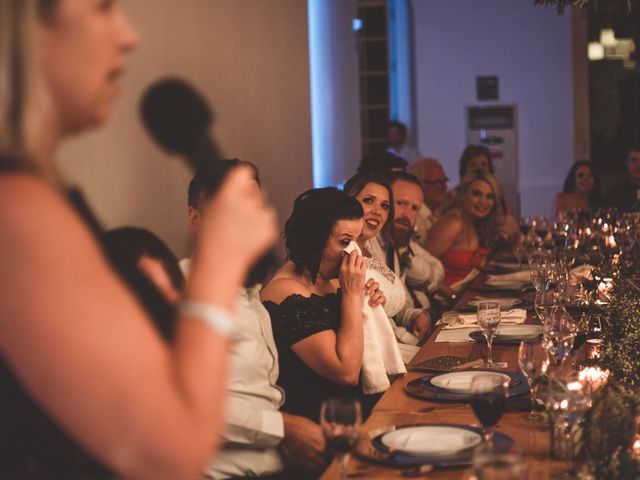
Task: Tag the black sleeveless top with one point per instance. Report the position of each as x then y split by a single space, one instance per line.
31 445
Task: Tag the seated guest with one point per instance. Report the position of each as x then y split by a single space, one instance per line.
258 439
419 270
475 157
626 193
581 189
376 198
382 163
463 235
318 329
397 142
434 187
478 157
145 250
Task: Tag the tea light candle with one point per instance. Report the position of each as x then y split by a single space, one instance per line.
593 346
595 377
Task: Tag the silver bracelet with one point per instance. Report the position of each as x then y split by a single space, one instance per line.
215 317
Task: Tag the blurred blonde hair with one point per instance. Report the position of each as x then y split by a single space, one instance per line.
21 93
487 227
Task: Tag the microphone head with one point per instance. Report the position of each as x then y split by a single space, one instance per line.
176 115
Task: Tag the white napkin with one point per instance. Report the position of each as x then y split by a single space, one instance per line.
582 272
515 316
524 276
381 356
459 285
459 335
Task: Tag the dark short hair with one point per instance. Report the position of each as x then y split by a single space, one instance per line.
405 176
381 163
570 181
400 126
307 230
470 152
356 184
129 244
204 185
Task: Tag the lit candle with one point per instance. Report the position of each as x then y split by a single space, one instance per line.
595 377
593 348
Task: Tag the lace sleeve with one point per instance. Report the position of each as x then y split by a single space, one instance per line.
298 317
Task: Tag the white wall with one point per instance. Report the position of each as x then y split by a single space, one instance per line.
250 58
335 91
530 49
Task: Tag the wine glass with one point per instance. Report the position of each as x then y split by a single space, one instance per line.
533 361
559 334
340 420
488 400
545 304
489 321
542 228
525 226
488 464
568 400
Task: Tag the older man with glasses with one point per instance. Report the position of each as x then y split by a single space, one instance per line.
434 186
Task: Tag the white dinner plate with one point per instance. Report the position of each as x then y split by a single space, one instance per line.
519 332
507 302
431 440
460 382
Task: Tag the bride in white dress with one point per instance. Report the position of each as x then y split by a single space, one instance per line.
376 198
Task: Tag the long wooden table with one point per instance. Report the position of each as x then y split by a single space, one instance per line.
398 408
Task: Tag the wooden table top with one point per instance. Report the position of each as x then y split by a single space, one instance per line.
398 408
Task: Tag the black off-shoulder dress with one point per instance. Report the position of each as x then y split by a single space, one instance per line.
295 319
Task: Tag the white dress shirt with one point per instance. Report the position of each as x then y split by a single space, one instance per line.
424 221
253 424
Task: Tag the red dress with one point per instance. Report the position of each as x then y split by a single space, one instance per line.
458 263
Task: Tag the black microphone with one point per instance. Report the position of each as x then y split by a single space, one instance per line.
179 119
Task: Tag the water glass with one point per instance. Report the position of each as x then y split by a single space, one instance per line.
491 465
533 361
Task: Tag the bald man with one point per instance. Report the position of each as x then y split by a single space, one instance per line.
434 186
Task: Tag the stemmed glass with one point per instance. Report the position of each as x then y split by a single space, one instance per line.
545 304
340 420
567 402
489 321
559 334
542 228
488 400
533 361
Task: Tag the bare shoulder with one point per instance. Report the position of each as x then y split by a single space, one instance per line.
283 286
450 223
31 208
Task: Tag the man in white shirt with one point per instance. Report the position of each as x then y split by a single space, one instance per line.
397 142
434 184
259 440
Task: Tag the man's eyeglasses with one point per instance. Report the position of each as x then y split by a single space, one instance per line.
439 181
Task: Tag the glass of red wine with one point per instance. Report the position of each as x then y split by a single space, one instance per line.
488 400
340 420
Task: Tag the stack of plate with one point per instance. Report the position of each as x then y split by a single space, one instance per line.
460 382
431 440
510 334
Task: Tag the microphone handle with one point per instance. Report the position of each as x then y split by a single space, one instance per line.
205 156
